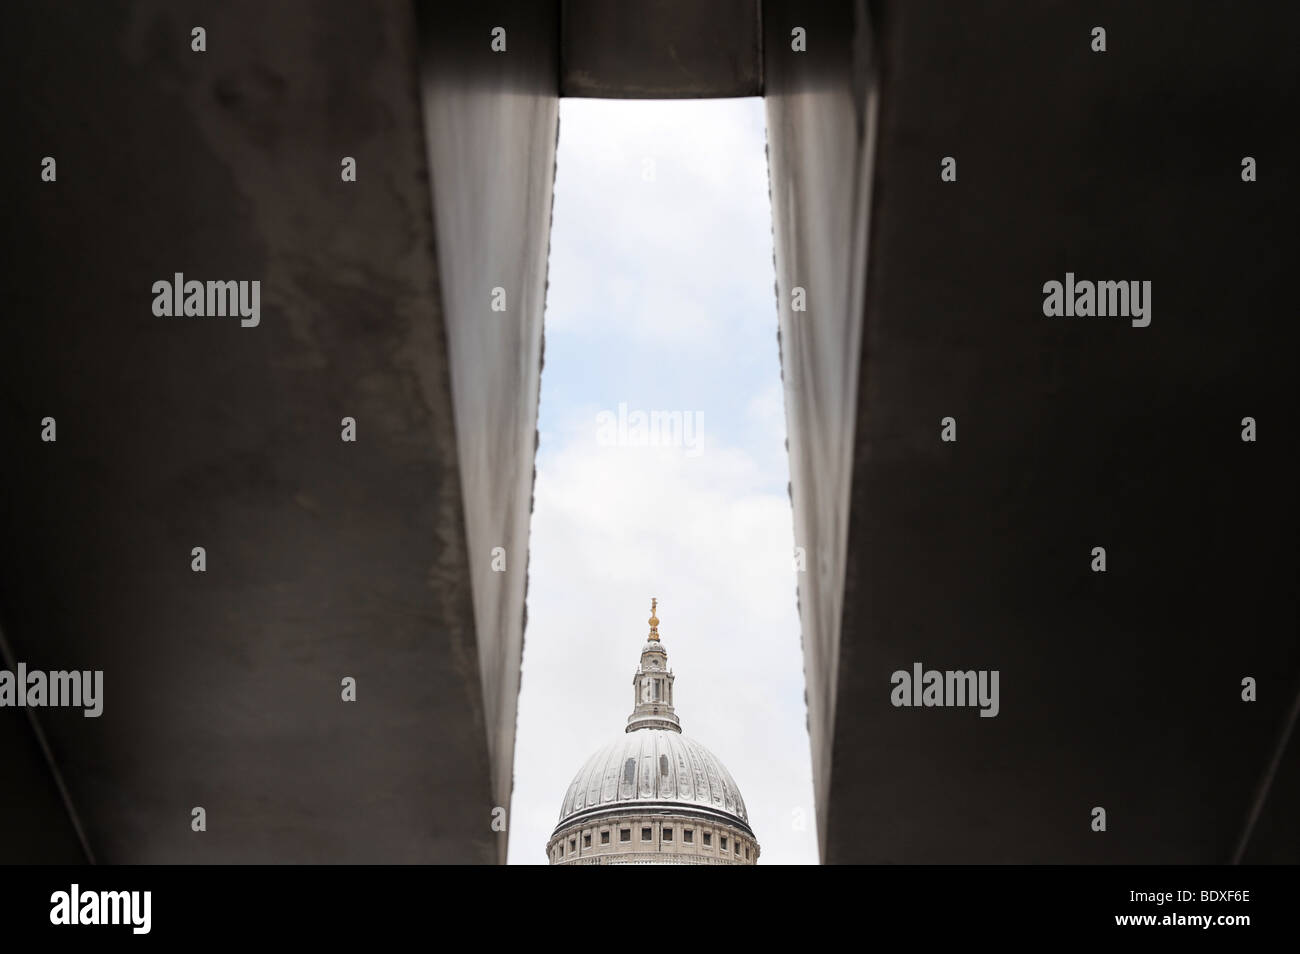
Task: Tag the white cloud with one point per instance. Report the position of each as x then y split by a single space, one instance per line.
704 246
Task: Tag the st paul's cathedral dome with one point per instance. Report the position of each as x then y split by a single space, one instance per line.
653 795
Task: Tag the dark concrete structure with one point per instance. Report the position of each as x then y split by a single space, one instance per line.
1123 689
401 559
325 559
660 49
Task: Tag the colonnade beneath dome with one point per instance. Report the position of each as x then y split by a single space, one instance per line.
652 838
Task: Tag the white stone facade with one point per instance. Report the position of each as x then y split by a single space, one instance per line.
631 839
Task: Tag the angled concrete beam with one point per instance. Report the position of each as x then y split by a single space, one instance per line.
491 113
324 559
660 49
821 124
1119 689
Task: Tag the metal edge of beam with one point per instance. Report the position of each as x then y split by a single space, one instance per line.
10 661
1265 784
865 86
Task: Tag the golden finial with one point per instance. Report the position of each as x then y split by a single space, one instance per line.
654 620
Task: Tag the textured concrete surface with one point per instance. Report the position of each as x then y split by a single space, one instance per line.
660 49
1122 689
325 559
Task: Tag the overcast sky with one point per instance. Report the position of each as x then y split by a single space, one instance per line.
661 298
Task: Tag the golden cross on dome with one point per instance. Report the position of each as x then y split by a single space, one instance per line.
654 621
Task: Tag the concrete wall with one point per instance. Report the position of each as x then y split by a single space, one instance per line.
1121 689
325 559
660 49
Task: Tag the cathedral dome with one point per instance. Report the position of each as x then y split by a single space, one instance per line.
653 795
648 769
